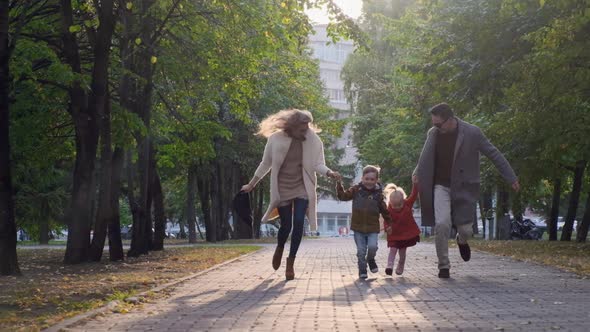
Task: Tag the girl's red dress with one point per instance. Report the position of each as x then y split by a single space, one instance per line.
405 232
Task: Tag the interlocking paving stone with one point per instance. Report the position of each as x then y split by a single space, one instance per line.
489 293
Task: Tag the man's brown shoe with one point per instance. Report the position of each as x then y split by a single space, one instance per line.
464 250
277 257
444 273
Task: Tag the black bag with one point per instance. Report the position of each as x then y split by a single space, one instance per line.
243 216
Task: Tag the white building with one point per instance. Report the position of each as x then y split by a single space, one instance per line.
333 215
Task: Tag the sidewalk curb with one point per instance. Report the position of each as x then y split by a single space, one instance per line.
65 324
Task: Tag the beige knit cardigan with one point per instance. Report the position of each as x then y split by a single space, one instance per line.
313 162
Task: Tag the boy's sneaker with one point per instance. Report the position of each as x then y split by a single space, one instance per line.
389 271
363 274
373 266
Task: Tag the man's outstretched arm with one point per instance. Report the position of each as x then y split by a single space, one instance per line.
498 159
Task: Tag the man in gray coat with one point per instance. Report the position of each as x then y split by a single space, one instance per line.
448 180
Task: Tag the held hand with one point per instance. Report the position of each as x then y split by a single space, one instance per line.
388 230
334 175
516 186
247 188
414 179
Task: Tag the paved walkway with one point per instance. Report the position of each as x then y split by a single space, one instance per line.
488 293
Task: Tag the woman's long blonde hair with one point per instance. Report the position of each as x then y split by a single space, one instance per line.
286 120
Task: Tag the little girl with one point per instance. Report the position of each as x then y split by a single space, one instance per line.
367 204
402 232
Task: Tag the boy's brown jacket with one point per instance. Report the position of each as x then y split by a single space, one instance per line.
367 204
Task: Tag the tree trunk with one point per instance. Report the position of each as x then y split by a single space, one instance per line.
142 85
486 211
159 214
518 207
126 95
130 174
138 238
105 209
141 240
8 256
585 223
220 201
482 214
474 226
100 103
232 189
149 223
86 131
199 231
182 232
212 227
114 224
44 230
554 210
566 233
205 194
190 205
502 210
141 235
216 211
44 224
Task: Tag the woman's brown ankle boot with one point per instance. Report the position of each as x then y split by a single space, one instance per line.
290 272
277 257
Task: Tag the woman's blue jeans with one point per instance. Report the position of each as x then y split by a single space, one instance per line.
292 218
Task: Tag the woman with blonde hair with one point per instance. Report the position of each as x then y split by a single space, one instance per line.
294 153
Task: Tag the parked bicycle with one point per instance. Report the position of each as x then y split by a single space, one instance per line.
525 229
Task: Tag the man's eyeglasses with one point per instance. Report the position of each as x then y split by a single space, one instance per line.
440 124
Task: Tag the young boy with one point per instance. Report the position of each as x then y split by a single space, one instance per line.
367 204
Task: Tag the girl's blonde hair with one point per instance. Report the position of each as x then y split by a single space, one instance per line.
391 188
286 120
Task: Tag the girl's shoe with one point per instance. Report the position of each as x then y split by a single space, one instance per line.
400 269
389 271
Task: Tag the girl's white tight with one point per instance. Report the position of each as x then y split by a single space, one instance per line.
391 259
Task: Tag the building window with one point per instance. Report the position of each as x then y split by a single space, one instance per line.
336 95
342 221
331 221
329 75
331 52
323 223
343 52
